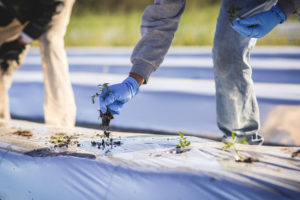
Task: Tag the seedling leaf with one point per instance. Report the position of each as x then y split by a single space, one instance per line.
181 143
233 136
243 141
181 134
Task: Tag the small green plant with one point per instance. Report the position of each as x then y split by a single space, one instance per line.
102 88
182 142
231 145
61 138
233 13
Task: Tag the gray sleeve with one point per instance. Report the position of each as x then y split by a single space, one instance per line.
159 24
289 6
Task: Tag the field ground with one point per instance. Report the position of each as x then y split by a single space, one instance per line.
142 166
180 95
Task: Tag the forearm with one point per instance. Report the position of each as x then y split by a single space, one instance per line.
159 24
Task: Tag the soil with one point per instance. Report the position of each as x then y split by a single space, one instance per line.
48 152
106 121
296 154
25 133
180 152
63 140
106 133
247 160
106 143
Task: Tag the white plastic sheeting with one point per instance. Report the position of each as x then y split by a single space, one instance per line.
143 167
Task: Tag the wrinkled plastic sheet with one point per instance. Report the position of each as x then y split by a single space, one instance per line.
144 167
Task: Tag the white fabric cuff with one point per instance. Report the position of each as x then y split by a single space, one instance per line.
26 38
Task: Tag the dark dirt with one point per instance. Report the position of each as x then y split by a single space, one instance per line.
106 121
106 143
47 152
180 152
296 154
107 133
25 133
63 141
247 160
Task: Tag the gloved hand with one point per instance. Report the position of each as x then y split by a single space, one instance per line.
10 51
114 97
259 25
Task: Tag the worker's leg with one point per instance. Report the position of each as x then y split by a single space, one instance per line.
9 33
59 105
237 108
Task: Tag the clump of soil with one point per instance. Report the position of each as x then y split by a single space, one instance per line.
106 121
178 151
247 160
296 154
106 143
25 133
63 140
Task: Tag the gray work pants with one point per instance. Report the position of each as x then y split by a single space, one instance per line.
237 108
59 103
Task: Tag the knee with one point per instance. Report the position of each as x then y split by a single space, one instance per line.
228 59
164 9
51 39
223 56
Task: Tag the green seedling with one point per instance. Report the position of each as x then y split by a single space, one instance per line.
183 143
63 140
231 145
233 13
58 139
102 88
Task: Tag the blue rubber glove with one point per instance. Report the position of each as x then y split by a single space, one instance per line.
114 97
259 25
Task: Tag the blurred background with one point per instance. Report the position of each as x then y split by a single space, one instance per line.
180 95
115 23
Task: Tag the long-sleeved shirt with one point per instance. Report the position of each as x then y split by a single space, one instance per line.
38 14
159 24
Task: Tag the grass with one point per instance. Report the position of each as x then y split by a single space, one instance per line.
196 28
90 29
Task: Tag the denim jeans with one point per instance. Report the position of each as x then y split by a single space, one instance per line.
237 108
